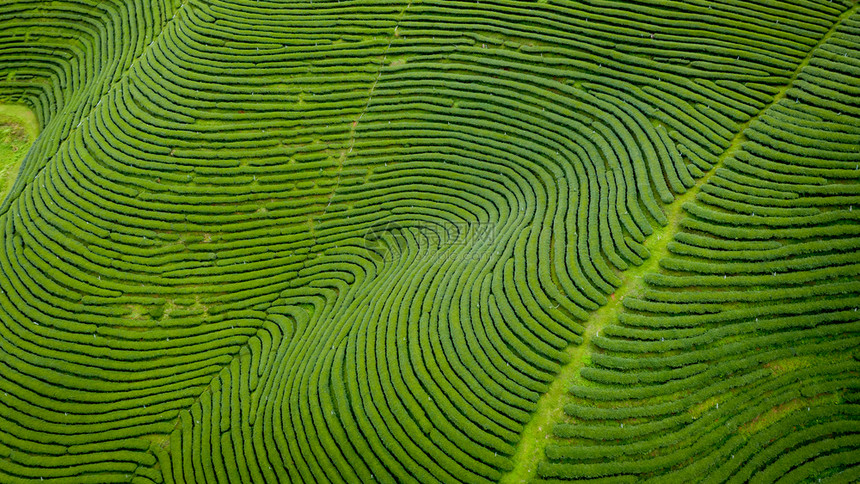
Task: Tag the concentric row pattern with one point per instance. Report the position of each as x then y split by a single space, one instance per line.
740 361
342 241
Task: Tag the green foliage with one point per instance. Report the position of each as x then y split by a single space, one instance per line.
356 241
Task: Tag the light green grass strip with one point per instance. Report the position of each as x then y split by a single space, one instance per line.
18 130
550 407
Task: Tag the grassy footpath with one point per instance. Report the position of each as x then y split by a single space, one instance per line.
550 406
18 129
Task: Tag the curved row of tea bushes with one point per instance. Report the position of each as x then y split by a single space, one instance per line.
350 241
60 58
738 361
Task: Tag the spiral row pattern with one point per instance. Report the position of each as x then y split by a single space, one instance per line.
345 241
739 362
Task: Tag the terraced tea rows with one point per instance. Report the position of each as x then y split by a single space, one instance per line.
349 241
740 360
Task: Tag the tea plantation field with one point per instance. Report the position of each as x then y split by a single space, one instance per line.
421 241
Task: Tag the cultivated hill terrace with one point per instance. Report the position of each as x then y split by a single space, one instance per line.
430 241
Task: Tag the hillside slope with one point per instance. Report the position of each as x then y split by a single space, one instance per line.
346 241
